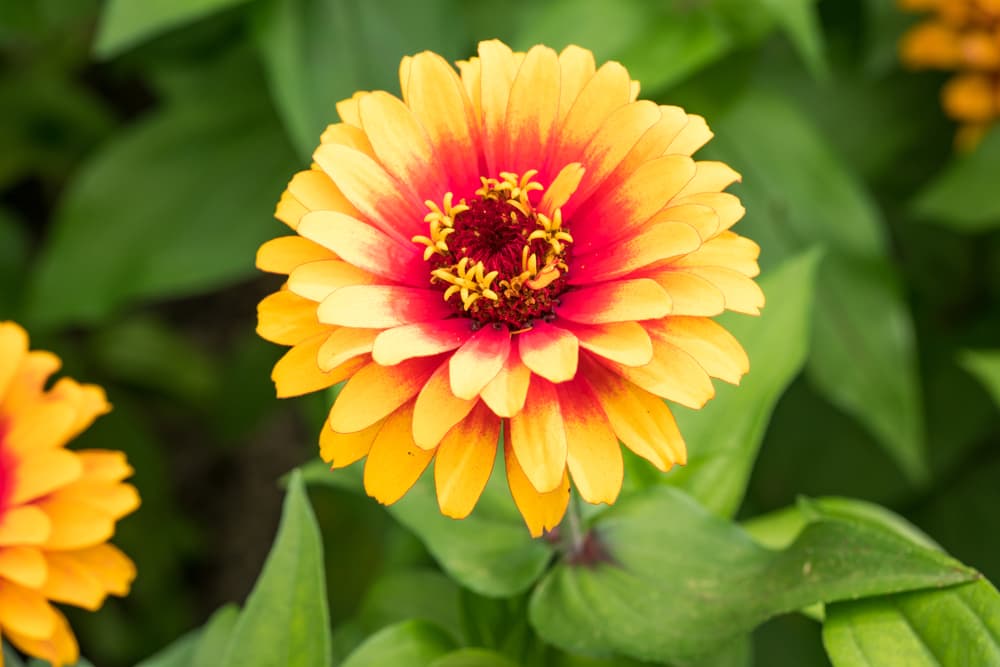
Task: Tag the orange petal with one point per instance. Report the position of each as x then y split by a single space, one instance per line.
641 421
72 582
13 346
532 109
654 243
549 351
437 99
478 361
672 374
285 253
315 190
100 465
714 348
298 372
24 525
41 472
59 648
75 525
594 456
577 68
624 342
689 294
541 511
436 409
693 136
365 247
619 301
286 318
23 565
43 426
395 462
376 391
343 345
113 569
498 68
505 394
464 462
400 143
342 449
317 280
25 612
113 499
422 339
538 437
382 306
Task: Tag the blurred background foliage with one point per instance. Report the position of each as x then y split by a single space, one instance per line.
143 146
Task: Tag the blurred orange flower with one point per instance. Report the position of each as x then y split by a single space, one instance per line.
962 35
58 507
518 246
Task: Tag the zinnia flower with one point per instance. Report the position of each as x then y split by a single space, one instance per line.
57 507
516 247
962 35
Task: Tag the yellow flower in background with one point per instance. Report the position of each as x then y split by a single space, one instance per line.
58 507
961 35
518 246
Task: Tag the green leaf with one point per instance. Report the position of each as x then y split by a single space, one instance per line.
800 20
126 23
724 437
411 643
215 636
947 628
10 657
415 594
178 653
489 552
673 589
175 205
13 258
985 365
473 657
83 662
285 622
963 195
318 52
799 194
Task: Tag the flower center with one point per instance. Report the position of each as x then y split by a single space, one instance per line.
496 258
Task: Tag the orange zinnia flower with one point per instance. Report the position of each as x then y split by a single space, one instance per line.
962 35
58 507
520 245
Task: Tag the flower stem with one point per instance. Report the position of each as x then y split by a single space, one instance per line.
576 535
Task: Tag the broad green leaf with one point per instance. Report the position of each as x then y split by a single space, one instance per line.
126 23
798 194
412 594
953 627
411 643
175 205
800 20
214 638
178 653
723 438
985 365
963 195
318 52
489 552
146 352
679 581
473 657
10 657
611 25
285 622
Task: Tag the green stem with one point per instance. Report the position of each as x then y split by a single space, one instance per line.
574 521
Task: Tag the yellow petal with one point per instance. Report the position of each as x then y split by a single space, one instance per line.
672 374
538 437
577 68
23 565
24 525
690 294
561 189
498 68
286 318
464 462
541 511
59 648
13 346
101 465
342 449
624 342
606 91
400 143
395 462
742 294
343 345
594 456
285 253
714 348
43 426
298 372
113 569
549 351
505 394
348 109
376 391
710 177
72 582
693 136
531 110
75 525
437 410
44 471
318 280
25 612
478 361
115 500
728 250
